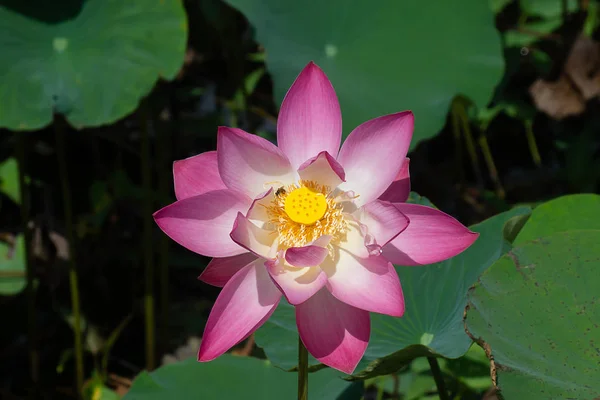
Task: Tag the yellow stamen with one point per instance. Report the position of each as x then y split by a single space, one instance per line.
287 213
305 206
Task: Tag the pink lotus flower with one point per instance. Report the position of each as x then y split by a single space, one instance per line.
319 224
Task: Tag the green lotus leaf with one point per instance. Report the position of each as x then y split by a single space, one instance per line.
385 56
91 61
536 313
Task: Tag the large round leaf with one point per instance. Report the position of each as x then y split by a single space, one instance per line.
384 56
12 267
91 61
435 298
234 378
578 211
536 313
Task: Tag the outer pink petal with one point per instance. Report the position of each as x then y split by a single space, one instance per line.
297 284
335 333
373 154
431 236
370 284
383 221
322 169
251 164
399 190
310 120
252 238
243 303
197 175
220 270
202 223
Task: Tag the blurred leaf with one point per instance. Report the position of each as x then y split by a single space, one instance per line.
472 369
12 267
99 196
531 32
536 310
252 80
233 377
95 389
112 338
547 8
9 180
578 211
384 58
513 226
432 324
91 61
498 5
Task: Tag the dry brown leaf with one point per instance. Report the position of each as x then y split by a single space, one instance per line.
579 82
557 99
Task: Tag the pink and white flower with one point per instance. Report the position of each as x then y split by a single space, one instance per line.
316 223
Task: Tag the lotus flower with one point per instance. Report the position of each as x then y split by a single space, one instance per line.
316 223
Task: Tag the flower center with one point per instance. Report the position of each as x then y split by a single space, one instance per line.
303 212
305 206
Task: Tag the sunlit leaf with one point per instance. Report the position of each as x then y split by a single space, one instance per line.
536 312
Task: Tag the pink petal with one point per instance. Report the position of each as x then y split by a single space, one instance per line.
297 284
373 154
197 175
431 236
241 307
370 284
252 238
354 239
335 333
383 221
220 270
310 120
251 164
258 210
322 169
399 190
307 256
202 223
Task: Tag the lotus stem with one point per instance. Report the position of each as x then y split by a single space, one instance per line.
147 240
489 160
533 149
302 371
164 147
21 151
461 113
439 379
458 150
59 129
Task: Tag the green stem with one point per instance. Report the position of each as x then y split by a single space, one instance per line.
59 129
533 149
439 379
164 147
147 240
21 150
302 371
